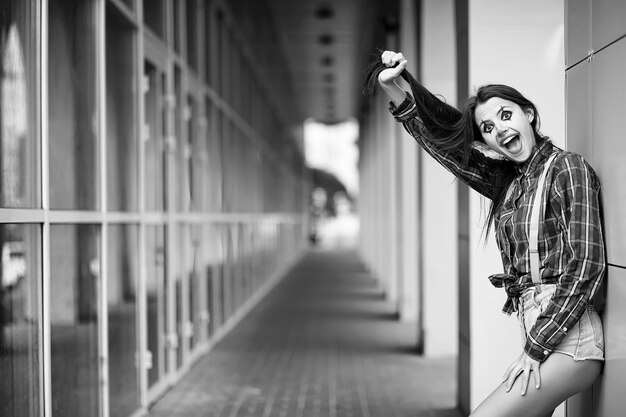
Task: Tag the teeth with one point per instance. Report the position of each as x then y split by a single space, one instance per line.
507 140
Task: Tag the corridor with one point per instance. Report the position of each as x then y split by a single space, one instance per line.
323 342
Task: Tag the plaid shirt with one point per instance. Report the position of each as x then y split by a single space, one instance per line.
571 247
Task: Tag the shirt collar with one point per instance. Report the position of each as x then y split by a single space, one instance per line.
541 152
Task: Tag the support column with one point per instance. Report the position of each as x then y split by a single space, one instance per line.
439 189
409 255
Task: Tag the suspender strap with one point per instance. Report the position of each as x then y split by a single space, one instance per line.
536 216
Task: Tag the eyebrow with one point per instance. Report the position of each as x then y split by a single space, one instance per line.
482 122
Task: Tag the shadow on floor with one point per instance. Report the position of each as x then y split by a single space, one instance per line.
323 343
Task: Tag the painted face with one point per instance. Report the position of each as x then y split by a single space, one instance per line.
506 128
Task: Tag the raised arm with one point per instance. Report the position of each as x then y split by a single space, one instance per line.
439 128
387 78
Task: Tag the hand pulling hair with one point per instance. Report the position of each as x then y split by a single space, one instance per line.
449 129
444 123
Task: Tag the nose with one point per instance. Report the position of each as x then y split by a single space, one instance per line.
502 130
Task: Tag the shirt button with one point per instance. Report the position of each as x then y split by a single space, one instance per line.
564 329
545 352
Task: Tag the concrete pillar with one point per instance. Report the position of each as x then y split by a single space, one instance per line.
392 227
463 262
409 256
439 189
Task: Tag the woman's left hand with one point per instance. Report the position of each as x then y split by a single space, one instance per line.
523 365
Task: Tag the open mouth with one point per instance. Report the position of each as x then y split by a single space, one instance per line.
512 144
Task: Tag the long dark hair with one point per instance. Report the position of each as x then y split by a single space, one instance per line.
451 129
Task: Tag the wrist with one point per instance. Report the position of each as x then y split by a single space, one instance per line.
388 84
395 93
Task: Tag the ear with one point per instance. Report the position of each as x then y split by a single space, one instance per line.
530 114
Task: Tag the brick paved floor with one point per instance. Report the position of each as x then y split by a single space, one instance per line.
325 343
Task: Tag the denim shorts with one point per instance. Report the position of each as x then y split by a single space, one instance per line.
584 340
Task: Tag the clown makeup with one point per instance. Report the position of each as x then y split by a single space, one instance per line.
506 128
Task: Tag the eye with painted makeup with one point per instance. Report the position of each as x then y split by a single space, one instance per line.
487 128
506 115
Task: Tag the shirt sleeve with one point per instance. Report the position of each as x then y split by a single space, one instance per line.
574 199
476 173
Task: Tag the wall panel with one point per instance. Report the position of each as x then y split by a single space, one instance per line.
608 102
578 20
596 104
607 22
609 391
578 108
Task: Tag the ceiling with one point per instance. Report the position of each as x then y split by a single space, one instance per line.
327 45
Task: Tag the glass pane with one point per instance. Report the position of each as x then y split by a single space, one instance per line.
225 61
192 33
212 172
156 295
228 164
74 302
235 262
213 258
176 24
229 273
121 129
244 260
208 44
200 159
154 143
220 33
129 3
195 156
19 101
193 277
183 148
19 320
72 95
123 256
154 16
181 288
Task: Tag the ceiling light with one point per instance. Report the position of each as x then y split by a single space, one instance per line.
327 61
324 12
326 39
328 77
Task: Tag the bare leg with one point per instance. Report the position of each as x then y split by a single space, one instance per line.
561 377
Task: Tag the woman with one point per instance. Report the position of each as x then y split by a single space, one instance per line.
494 146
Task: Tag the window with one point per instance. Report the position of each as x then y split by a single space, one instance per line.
122 172
176 5
156 290
154 16
20 296
19 101
192 33
72 108
182 118
74 316
209 41
155 150
197 155
122 274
